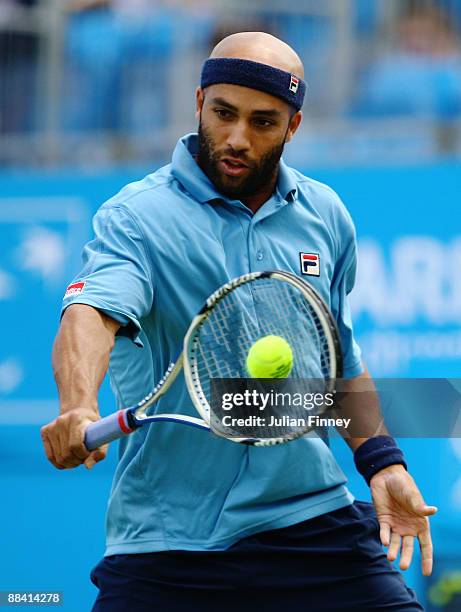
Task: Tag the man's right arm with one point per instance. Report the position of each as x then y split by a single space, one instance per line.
80 361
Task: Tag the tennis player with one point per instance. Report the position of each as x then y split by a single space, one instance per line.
195 522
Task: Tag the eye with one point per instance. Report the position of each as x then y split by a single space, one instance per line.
223 113
263 123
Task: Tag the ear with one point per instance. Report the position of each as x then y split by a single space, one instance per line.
199 97
294 124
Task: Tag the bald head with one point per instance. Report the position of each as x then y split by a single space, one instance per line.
260 47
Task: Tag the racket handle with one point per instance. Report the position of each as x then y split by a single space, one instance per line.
107 429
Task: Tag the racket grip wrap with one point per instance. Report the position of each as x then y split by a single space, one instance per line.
107 429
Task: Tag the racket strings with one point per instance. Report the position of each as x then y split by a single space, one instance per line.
293 318
248 313
234 325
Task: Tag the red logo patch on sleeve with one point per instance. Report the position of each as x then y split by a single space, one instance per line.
74 289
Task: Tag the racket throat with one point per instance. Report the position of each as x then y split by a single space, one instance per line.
127 421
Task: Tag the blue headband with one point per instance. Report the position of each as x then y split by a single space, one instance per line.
246 73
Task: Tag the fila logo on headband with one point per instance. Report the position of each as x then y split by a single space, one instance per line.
294 84
74 289
310 264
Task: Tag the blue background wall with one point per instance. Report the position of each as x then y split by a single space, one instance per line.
407 308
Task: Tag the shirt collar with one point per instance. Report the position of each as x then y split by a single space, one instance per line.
286 183
186 170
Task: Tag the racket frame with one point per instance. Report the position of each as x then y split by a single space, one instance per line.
192 378
127 420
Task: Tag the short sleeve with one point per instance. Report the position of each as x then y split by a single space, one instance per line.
342 285
116 277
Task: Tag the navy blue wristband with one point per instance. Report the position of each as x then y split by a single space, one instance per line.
376 454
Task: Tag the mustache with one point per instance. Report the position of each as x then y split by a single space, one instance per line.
237 156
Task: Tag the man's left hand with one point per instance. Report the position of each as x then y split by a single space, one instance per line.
402 515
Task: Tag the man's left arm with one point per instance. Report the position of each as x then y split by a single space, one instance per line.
401 510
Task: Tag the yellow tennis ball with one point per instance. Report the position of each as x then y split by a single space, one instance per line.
270 357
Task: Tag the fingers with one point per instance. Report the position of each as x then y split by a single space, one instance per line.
402 488
52 447
403 513
429 510
385 533
405 545
65 456
416 502
63 440
394 547
95 456
406 554
75 443
49 450
419 506
425 543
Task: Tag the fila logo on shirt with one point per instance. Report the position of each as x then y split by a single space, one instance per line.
310 264
294 84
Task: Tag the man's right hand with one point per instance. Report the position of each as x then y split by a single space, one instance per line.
63 440
80 360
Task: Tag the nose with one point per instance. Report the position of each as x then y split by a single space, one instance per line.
238 138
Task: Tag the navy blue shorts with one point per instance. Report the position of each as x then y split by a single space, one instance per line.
332 562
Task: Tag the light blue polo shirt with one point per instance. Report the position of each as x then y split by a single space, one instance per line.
161 246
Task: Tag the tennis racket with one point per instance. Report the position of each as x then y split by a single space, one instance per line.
215 348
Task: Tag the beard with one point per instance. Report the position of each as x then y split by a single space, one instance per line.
259 175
